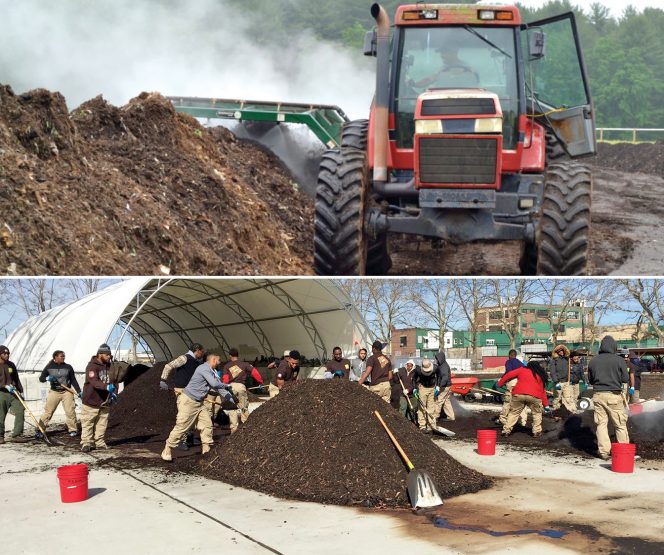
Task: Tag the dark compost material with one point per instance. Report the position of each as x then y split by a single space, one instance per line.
319 440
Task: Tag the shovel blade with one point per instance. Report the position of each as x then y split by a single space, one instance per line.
422 491
443 431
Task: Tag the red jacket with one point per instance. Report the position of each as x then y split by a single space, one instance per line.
527 384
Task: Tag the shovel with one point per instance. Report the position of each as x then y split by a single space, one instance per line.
39 426
421 489
432 422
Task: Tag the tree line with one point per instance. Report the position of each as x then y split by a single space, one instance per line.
624 55
454 304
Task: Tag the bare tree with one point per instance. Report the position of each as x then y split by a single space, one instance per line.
34 296
649 294
435 300
473 295
510 295
79 288
601 295
568 298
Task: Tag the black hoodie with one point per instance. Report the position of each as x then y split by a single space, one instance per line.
607 371
444 371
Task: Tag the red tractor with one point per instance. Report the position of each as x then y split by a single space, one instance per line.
474 126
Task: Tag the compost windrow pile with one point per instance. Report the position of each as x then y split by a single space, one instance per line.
144 412
319 440
626 157
141 190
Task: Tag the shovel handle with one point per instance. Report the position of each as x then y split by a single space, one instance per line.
394 440
25 406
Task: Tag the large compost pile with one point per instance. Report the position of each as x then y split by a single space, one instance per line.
320 441
141 190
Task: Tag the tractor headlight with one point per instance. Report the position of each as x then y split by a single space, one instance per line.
489 125
428 126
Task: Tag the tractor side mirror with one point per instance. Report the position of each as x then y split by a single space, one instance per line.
537 44
370 43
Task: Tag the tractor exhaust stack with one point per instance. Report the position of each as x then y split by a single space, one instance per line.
382 92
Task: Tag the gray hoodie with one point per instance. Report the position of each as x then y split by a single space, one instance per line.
607 371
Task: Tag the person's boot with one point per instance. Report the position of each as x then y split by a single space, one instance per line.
205 449
87 448
167 454
190 439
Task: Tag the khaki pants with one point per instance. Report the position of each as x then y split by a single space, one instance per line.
52 401
564 396
94 421
428 404
444 403
240 391
609 405
576 391
274 390
507 401
383 390
191 413
520 402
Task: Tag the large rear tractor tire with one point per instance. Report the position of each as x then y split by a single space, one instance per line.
563 228
339 240
355 135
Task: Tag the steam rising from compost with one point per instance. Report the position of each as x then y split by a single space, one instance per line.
202 48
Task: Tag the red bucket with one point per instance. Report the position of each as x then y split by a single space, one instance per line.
73 483
622 457
486 442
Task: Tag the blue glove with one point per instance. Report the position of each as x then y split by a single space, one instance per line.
50 379
339 374
631 390
10 388
218 373
110 388
547 409
114 398
559 386
436 392
415 392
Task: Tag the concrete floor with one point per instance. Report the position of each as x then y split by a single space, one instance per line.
153 511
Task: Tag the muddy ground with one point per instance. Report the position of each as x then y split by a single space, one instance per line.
627 235
142 190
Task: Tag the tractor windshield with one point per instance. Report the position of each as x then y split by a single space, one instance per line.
456 57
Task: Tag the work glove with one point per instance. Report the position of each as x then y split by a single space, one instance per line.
10 388
405 392
436 392
218 373
226 395
547 409
50 379
415 392
631 391
163 385
327 376
582 382
339 374
559 386
110 388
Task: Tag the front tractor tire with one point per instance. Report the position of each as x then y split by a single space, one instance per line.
379 262
340 247
563 229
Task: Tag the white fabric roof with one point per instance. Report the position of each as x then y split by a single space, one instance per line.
258 316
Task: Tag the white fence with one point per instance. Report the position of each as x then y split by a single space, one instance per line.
622 131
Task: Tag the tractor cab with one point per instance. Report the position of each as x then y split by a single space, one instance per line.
475 122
